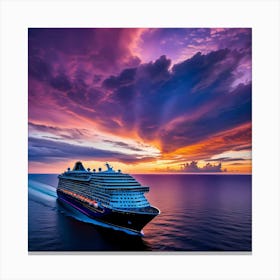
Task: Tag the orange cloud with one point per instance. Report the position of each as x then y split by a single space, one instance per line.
235 139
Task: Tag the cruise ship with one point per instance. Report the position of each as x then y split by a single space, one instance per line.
109 196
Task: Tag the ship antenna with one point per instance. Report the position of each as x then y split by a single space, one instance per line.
108 166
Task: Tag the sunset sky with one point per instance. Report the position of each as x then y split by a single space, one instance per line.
145 100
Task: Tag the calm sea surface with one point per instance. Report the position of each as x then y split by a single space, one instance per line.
198 213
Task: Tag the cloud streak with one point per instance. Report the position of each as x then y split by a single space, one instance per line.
45 150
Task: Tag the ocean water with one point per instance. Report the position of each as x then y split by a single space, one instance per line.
198 213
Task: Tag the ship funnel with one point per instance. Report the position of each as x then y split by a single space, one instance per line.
78 166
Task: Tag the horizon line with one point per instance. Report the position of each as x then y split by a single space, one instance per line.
164 173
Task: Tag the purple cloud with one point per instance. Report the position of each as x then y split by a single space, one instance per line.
45 150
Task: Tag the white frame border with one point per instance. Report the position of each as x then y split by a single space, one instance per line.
262 16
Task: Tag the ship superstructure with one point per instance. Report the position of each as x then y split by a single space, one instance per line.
109 196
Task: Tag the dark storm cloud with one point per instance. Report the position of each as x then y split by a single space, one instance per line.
126 77
182 106
49 151
157 70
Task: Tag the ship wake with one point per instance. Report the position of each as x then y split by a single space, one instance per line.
43 190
